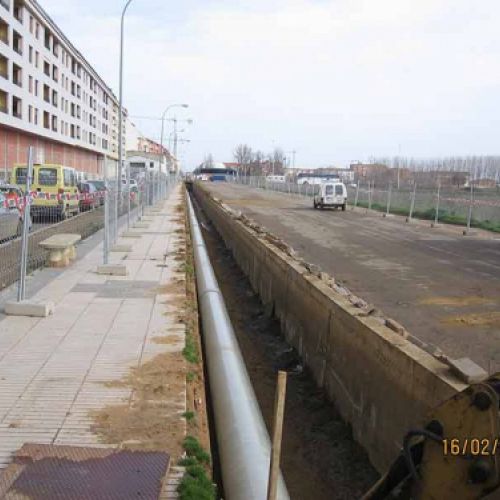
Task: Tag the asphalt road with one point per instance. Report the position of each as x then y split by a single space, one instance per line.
442 286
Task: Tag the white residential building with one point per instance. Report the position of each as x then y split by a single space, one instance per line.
50 96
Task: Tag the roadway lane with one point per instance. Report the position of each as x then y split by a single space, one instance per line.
443 287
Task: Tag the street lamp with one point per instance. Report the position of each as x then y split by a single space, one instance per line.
120 128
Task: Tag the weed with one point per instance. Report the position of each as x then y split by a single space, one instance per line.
188 415
195 484
190 376
190 351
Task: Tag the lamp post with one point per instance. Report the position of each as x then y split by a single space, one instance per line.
164 114
120 127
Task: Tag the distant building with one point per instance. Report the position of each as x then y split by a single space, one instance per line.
368 171
484 183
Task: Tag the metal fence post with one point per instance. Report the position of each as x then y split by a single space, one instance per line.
471 203
436 215
369 195
21 289
412 203
106 213
356 197
389 195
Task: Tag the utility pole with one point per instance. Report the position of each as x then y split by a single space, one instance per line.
175 143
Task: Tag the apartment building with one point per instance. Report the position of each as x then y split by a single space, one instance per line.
50 96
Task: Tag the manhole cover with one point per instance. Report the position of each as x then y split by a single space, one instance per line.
49 472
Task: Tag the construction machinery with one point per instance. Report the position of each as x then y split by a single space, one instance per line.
455 456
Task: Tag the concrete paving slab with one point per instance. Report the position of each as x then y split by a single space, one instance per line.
55 372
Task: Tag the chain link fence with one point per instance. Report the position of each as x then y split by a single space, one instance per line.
65 206
468 207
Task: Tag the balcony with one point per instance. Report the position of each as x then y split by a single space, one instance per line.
4 32
4 67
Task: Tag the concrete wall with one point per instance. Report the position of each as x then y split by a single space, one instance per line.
382 384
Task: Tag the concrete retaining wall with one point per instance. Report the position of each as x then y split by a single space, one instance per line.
381 383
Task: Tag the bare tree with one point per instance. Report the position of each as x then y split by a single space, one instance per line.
243 155
208 162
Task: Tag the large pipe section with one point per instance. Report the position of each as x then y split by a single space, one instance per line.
242 437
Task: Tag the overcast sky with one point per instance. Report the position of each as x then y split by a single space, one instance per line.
336 80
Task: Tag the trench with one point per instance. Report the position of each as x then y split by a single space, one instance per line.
320 459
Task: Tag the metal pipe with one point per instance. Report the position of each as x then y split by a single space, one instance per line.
242 437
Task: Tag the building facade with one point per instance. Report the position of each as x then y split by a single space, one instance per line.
50 96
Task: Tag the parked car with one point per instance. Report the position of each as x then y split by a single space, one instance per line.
14 198
331 194
89 196
55 188
101 189
11 222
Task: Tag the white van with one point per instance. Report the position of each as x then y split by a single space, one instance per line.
331 194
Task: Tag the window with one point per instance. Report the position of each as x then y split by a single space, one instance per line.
4 66
37 59
31 54
54 98
55 73
17 42
30 113
54 123
36 116
46 93
36 88
18 10
32 24
4 100
37 31
46 68
48 37
4 31
339 190
30 84
17 107
72 131
46 119
47 176
21 174
55 48
17 75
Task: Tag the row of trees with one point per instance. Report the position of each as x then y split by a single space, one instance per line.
477 167
258 163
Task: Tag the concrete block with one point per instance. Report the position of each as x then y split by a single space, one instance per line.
113 270
467 371
122 248
131 234
35 309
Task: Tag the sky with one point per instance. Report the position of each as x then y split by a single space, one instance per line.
335 80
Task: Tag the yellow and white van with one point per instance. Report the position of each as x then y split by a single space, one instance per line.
54 187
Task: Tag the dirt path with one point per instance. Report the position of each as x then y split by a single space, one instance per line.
443 287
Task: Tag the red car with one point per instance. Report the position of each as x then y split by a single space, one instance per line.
89 196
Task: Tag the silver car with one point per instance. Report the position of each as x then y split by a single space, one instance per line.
11 220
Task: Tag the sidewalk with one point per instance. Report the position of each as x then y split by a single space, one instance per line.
113 347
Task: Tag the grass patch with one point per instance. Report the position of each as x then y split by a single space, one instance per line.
190 376
445 217
189 269
190 351
189 415
196 485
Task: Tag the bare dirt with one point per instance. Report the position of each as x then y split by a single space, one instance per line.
320 459
400 268
149 422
